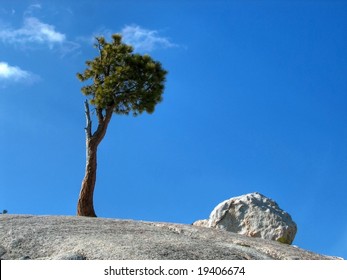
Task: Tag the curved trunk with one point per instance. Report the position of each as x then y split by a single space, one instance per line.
85 206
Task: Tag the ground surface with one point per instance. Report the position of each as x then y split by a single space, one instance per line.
69 237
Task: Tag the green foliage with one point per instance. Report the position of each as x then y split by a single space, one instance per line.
120 79
4 211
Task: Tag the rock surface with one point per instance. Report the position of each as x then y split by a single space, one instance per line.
252 215
82 238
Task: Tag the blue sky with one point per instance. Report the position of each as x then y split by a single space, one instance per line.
255 100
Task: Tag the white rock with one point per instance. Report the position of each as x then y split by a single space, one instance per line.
252 215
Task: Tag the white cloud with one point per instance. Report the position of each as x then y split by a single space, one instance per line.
33 31
31 9
144 39
10 73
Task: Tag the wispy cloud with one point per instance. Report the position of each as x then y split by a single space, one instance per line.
32 9
33 31
10 73
34 34
144 39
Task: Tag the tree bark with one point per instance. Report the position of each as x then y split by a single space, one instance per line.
85 205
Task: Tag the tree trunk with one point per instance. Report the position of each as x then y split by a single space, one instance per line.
85 205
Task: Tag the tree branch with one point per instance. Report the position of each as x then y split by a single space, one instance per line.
99 47
88 128
102 126
100 115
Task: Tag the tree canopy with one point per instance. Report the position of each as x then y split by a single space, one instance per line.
125 81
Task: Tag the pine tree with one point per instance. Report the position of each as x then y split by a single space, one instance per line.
120 82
